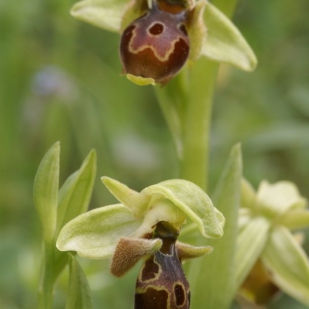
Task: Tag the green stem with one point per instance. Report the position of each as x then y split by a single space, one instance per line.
186 103
45 295
196 126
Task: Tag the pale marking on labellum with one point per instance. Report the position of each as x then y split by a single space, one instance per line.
163 59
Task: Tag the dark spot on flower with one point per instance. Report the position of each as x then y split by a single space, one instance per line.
156 29
150 270
179 294
151 299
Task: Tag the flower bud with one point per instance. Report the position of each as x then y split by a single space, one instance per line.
156 45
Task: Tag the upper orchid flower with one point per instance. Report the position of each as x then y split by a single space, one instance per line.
159 36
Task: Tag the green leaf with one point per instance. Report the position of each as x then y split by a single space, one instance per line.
224 42
75 194
135 201
45 191
191 200
219 265
251 241
95 233
105 14
288 264
79 291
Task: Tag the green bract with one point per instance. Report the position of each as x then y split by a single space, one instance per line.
264 233
221 41
96 233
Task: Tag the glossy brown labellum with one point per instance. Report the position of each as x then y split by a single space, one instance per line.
156 45
161 283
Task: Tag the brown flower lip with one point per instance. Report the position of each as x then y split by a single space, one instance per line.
156 45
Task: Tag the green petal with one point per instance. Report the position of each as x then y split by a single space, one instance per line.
288 264
135 201
45 191
224 42
275 199
106 14
75 194
95 234
219 265
250 244
79 291
191 200
295 219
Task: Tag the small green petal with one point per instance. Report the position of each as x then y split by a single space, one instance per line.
45 191
288 264
295 219
224 42
75 194
79 291
135 201
250 244
191 200
95 233
106 14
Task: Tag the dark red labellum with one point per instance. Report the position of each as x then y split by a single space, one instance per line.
161 283
155 45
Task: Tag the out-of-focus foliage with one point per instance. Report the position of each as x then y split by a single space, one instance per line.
59 80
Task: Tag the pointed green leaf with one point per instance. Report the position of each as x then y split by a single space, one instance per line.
224 42
135 201
45 191
192 201
219 265
95 233
295 219
75 194
79 291
105 14
288 264
251 241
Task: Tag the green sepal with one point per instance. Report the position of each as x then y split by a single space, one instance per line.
75 194
288 264
248 195
95 233
224 42
192 201
105 14
295 219
135 201
273 200
251 241
45 191
79 291
227 198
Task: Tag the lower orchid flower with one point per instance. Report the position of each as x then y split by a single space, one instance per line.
146 226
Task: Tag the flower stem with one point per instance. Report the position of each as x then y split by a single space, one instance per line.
194 164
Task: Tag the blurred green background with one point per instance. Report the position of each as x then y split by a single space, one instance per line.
59 80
